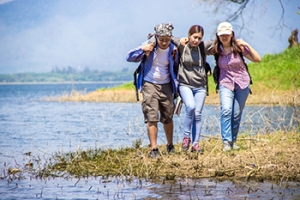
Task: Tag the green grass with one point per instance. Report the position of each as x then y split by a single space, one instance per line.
125 86
281 71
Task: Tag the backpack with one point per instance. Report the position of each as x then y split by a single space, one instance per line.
216 71
135 75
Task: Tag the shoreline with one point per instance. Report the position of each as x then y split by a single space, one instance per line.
64 82
262 157
128 96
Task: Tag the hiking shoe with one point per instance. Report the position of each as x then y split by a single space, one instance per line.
186 143
197 149
226 146
234 146
154 153
170 148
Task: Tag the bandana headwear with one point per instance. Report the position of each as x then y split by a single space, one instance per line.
164 29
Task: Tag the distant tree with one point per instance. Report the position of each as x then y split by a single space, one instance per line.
86 70
70 70
55 70
124 70
293 39
95 71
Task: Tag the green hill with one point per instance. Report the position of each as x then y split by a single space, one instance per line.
281 71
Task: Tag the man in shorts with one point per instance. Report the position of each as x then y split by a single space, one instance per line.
157 83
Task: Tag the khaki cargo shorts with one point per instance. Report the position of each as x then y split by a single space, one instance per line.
158 101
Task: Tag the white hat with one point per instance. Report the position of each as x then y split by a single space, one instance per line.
224 28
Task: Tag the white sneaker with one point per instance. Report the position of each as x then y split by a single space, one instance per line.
235 147
226 146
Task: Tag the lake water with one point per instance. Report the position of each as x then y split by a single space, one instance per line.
30 124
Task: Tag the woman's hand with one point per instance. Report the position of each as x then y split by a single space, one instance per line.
183 41
241 43
253 55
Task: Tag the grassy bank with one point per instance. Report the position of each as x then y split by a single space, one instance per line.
273 157
276 80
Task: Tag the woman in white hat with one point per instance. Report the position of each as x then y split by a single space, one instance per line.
233 81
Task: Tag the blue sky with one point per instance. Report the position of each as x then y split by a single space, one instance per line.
38 35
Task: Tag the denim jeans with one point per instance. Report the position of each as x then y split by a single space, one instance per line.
232 105
193 100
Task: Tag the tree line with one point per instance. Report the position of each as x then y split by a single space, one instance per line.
69 74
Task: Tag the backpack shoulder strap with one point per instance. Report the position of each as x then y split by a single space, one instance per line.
180 49
206 65
202 51
216 58
242 57
216 72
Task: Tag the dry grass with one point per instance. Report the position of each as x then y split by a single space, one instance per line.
122 95
263 98
259 96
262 157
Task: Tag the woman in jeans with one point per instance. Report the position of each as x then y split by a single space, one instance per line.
192 85
234 81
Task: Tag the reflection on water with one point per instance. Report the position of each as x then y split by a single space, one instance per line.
122 188
209 189
30 124
74 188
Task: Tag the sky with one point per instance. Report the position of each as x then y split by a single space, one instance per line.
39 35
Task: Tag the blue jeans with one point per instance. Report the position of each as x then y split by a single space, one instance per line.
232 105
193 100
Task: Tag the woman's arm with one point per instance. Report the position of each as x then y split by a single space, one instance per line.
252 55
209 46
175 41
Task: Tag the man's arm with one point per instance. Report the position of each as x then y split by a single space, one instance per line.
175 40
137 54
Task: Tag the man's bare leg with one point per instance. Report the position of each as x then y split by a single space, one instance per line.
152 133
169 132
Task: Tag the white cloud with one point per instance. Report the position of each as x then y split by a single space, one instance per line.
5 1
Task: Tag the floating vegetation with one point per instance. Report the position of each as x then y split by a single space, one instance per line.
273 156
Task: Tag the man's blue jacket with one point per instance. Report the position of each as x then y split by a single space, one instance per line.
137 55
